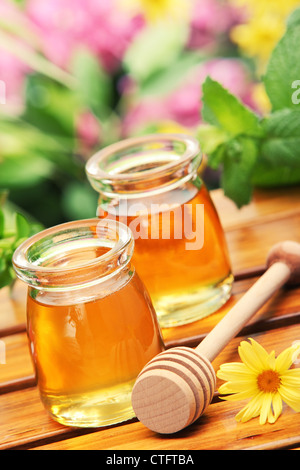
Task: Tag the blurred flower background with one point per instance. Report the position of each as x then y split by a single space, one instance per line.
81 74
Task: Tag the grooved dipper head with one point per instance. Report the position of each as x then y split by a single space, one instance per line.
173 390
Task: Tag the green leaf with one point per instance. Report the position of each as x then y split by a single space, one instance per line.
6 278
13 233
30 56
283 69
3 196
2 265
217 156
22 172
1 223
238 164
79 201
22 226
210 137
18 137
50 107
294 18
154 49
94 85
29 155
224 110
167 79
281 146
267 176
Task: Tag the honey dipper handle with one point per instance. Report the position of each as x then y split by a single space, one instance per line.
275 276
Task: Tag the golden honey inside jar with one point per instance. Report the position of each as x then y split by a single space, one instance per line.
151 183
91 323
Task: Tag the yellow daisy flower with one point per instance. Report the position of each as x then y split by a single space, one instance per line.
156 10
172 127
258 37
264 26
266 380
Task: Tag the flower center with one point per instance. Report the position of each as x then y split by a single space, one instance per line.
268 381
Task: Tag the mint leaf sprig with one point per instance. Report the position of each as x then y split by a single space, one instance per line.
231 139
255 151
10 239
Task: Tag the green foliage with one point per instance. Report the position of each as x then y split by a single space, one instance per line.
43 160
95 89
223 110
38 152
284 68
231 139
13 231
254 151
155 49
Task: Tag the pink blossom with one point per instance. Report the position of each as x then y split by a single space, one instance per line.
12 69
63 25
88 130
231 73
12 74
183 105
209 20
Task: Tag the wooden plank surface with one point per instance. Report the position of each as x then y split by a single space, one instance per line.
282 308
32 424
273 216
24 424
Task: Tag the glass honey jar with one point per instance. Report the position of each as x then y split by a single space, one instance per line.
152 184
90 321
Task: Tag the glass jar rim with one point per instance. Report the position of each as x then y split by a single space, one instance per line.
81 274
95 172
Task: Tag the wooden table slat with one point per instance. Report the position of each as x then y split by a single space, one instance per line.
32 425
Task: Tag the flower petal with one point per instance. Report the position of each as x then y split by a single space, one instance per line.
249 357
292 372
292 404
251 410
286 358
235 367
272 360
292 392
265 407
236 387
234 376
290 397
277 408
262 356
239 395
242 381
290 380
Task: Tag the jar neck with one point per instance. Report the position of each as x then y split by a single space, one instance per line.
144 166
76 255
83 293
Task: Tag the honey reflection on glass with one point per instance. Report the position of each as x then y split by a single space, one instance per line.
90 321
184 264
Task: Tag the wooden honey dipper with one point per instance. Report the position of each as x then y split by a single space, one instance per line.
176 386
